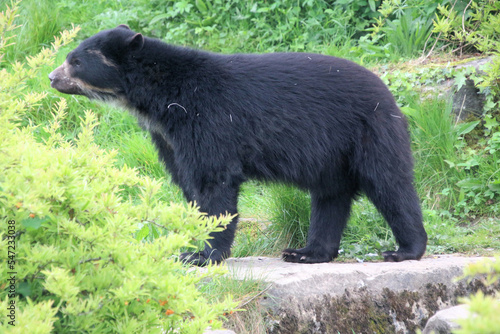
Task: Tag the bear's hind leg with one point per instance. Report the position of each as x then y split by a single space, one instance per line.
400 206
384 166
329 215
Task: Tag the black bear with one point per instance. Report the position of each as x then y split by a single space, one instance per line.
325 124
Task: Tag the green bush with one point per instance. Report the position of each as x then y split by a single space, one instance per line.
76 251
398 29
476 27
237 26
407 34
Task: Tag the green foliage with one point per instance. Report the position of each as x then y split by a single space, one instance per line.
367 234
238 25
407 34
7 17
291 211
458 162
363 12
484 310
82 260
479 188
476 27
43 23
371 47
400 29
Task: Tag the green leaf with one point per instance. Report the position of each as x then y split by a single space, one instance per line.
460 79
208 21
494 186
465 128
33 223
471 184
450 163
158 18
372 5
24 288
343 2
201 6
153 232
490 104
408 111
490 122
143 233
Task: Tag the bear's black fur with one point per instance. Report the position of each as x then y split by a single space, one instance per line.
322 123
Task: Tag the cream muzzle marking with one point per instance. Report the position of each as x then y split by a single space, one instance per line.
62 80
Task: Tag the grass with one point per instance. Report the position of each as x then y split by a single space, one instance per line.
434 138
32 34
252 316
407 34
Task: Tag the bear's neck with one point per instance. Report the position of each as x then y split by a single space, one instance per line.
163 82
168 70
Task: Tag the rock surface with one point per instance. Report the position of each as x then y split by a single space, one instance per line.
444 321
467 100
219 331
375 297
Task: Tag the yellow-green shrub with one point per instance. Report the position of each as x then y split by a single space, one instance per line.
484 310
77 265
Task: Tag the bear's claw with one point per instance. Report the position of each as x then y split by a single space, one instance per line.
400 255
200 259
305 255
195 259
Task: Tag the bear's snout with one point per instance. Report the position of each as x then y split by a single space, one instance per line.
52 76
55 76
60 80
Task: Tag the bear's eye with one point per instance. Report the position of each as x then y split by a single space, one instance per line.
76 62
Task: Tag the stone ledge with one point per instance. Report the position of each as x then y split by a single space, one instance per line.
374 297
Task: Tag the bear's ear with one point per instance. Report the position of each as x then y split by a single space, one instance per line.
124 26
136 42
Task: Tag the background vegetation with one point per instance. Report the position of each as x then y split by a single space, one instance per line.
408 43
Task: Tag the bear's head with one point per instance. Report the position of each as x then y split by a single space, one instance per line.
94 68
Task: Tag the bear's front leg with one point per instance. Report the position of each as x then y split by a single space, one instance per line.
215 199
218 250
